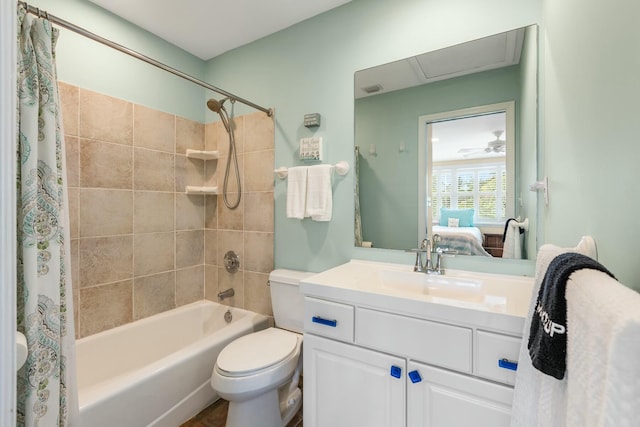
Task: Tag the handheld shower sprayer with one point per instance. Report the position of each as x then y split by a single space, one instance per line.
218 107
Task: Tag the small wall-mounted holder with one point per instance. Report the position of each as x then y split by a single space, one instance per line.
311 149
312 120
542 186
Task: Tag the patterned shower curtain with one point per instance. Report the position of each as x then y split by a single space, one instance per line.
357 225
47 393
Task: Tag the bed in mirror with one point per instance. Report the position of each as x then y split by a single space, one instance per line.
446 143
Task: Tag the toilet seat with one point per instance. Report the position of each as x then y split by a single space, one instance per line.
251 354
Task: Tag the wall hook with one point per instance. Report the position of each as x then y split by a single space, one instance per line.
542 186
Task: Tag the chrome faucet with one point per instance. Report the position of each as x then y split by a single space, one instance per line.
432 264
226 294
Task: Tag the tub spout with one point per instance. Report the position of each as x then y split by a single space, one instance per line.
226 294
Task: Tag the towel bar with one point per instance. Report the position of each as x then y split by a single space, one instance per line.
341 168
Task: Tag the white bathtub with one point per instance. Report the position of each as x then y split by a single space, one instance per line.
156 371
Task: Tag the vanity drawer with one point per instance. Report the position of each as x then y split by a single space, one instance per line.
329 319
422 340
493 351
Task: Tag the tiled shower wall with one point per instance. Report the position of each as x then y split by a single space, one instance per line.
139 244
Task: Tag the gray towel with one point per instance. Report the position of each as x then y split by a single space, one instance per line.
548 335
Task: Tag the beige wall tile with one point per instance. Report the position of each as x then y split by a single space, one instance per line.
259 168
188 172
75 264
211 247
153 253
190 212
70 99
154 294
189 134
189 248
238 134
74 212
215 136
258 132
105 259
211 283
258 252
258 211
211 212
230 219
105 212
72 156
105 118
153 129
257 295
228 280
232 185
189 285
211 173
105 165
105 307
153 211
153 170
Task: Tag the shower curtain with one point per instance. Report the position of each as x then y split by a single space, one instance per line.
356 192
47 392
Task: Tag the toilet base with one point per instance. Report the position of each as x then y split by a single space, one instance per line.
264 410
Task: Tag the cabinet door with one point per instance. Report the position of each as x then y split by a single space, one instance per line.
347 386
442 398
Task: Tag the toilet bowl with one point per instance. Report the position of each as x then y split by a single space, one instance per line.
258 373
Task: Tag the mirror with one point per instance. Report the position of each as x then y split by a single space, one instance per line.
458 92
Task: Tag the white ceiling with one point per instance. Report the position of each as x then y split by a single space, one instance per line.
208 28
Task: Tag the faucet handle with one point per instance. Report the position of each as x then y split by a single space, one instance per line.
424 244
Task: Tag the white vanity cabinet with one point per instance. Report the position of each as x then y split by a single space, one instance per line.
364 366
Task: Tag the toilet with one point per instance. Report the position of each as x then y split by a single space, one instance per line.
258 373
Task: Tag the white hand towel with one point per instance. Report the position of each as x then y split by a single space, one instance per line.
513 240
296 192
319 196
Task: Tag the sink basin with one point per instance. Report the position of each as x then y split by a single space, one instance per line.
448 287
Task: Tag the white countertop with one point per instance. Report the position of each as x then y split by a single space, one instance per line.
482 300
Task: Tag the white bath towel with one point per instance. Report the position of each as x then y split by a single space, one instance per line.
319 195
513 240
296 191
603 350
539 399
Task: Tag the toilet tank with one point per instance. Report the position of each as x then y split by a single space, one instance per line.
286 299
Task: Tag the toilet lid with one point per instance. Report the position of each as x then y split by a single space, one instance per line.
256 351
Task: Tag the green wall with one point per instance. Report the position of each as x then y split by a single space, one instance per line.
592 69
590 63
89 64
309 68
389 179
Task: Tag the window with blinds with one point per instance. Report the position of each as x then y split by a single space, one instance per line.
482 187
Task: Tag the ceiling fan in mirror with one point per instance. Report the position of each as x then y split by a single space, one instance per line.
497 145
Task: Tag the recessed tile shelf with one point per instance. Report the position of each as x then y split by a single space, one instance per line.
203 154
194 189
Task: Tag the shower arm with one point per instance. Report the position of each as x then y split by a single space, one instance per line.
79 30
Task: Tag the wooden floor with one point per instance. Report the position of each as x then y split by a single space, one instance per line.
216 416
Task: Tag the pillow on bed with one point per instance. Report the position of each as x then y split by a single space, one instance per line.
465 216
453 222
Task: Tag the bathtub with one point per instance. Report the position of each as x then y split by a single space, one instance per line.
156 371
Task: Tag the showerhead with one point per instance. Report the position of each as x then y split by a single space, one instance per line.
215 105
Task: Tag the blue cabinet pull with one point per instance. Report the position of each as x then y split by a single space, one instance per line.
326 322
396 371
415 377
507 364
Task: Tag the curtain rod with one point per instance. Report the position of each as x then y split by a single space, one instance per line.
79 30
